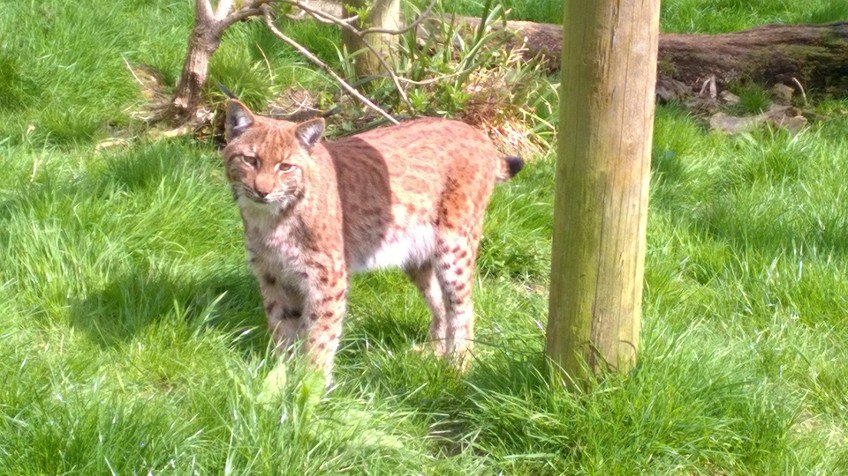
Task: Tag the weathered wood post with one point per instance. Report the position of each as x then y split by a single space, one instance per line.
609 60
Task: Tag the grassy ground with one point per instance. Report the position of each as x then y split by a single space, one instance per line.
132 338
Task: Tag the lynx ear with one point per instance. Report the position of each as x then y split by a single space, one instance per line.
239 119
309 133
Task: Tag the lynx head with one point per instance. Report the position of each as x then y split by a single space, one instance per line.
267 160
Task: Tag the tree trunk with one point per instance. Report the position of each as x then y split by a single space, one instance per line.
204 41
209 26
383 14
600 205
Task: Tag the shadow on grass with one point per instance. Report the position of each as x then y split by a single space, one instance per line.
456 408
383 328
134 301
384 311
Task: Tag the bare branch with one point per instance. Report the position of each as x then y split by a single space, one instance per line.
325 17
132 72
318 14
423 16
241 15
803 94
344 24
251 9
311 57
203 9
223 9
390 72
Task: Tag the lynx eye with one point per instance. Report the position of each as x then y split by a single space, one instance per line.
284 167
250 160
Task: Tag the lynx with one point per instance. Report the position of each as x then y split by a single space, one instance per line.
411 196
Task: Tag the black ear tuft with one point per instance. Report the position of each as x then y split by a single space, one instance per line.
309 132
239 119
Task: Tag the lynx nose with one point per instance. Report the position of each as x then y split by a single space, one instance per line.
264 186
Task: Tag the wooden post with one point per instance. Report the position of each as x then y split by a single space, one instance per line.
609 60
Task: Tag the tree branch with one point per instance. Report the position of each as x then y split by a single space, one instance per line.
318 14
223 9
251 9
343 23
325 17
204 8
269 21
423 16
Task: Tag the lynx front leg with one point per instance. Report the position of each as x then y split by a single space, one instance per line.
284 310
425 279
323 314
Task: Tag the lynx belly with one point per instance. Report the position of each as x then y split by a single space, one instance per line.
399 248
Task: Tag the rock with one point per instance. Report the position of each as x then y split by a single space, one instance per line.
729 98
734 125
782 93
787 117
671 90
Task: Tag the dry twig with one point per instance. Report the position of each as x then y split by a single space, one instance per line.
343 23
800 87
269 21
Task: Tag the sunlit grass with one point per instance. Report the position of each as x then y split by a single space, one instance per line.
131 331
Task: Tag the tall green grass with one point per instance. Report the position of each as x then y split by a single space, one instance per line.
131 332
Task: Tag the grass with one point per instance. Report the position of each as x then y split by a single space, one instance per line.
132 337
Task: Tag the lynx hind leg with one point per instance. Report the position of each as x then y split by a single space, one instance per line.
425 279
455 274
284 311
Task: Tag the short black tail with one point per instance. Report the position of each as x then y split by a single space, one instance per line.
514 164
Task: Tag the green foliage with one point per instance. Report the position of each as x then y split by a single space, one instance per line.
132 336
443 63
471 74
753 99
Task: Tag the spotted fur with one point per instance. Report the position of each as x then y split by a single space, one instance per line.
410 196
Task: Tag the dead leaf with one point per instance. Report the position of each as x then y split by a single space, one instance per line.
110 143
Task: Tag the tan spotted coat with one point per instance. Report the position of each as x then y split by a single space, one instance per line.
410 196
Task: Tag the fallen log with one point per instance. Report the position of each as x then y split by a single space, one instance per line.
814 55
